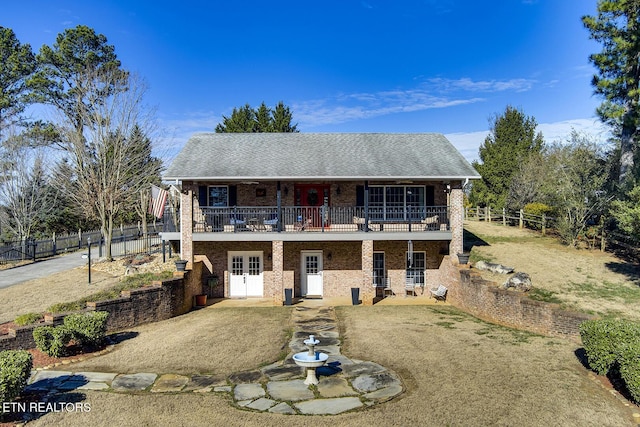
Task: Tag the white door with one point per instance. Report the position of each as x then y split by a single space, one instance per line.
245 274
311 274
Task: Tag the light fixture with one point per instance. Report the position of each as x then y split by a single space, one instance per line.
286 190
338 190
329 256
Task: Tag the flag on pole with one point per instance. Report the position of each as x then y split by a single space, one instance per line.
158 200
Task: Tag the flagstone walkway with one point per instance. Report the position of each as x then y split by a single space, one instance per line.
344 384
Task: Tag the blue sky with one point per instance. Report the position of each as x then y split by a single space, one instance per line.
445 66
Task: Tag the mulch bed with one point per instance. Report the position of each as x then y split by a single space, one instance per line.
41 360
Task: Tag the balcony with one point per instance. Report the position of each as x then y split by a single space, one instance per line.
312 223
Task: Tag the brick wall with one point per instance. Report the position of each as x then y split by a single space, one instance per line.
158 301
484 299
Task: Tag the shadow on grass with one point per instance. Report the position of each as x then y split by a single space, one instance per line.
629 269
119 337
471 240
612 379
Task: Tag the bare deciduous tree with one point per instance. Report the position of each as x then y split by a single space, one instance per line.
25 190
105 174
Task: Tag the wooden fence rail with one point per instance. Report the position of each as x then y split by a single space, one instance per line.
542 223
512 218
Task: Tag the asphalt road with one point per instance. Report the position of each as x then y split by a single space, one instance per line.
37 270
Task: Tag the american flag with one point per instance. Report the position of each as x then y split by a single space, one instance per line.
158 200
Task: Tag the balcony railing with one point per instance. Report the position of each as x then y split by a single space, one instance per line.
321 219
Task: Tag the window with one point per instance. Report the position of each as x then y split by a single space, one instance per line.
379 271
396 202
416 268
218 196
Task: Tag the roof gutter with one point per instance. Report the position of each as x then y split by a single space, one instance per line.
318 178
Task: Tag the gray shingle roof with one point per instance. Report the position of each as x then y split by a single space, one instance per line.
326 156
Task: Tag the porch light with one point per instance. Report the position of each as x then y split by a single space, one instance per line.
329 256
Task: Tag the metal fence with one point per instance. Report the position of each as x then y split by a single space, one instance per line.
324 219
126 240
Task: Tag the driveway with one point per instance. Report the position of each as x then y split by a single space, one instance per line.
37 270
44 268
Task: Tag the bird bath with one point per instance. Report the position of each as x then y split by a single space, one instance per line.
311 360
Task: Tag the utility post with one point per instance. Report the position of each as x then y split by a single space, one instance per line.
89 257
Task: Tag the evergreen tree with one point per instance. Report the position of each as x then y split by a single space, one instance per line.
263 119
511 140
17 62
617 27
63 67
282 119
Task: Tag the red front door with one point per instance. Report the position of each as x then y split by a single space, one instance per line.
311 198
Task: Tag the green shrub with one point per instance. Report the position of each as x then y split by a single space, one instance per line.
15 369
605 341
87 328
28 319
51 340
630 368
536 209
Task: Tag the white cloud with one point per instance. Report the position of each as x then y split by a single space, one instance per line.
365 106
560 131
468 143
429 94
467 84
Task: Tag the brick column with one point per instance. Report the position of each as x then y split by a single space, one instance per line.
456 219
277 263
186 227
367 291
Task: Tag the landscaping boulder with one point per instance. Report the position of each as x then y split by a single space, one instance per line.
495 268
519 281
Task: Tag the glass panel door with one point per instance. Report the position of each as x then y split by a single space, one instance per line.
379 272
416 268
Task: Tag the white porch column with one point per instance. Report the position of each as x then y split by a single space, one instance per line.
456 219
186 227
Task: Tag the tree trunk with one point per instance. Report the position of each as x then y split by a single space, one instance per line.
627 137
107 232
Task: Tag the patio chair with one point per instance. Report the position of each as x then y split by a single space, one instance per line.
239 224
409 287
430 223
301 225
439 293
272 221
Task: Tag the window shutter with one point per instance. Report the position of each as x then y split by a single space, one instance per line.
359 195
233 195
202 195
430 196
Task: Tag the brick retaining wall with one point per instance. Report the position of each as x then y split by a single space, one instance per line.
485 300
159 301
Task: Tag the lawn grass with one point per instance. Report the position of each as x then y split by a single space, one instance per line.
588 281
456 370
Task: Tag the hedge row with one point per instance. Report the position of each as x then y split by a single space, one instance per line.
83 328
614 346
15 369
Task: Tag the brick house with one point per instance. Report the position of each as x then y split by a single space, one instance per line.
319 213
